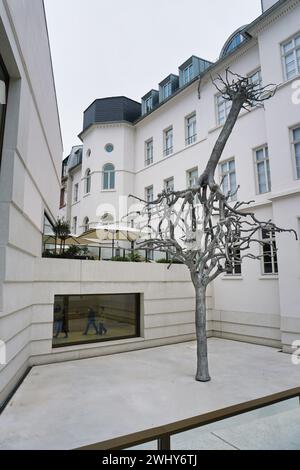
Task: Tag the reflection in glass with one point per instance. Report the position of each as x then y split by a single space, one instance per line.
90 318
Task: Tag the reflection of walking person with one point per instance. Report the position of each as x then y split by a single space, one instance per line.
58 320
101 327
91 321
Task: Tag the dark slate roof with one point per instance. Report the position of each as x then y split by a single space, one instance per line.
75 157
112 109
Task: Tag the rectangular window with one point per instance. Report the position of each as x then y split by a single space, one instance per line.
149 194
263 175
62 198
93 318
188 74
190 129
148 104
74 226
167 90
192 178
168 141
291 57
296 149
255 77
76 189
3 100
228 178
148 152
233 267
270 265
223 108
169 184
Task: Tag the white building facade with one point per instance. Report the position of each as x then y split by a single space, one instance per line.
166 141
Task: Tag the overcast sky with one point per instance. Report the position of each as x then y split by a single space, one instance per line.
109 48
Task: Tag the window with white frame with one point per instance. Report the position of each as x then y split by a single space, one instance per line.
74 225
148 104
255 77
76 192
87 186
169 184
269 252
192 178
190 129
149 196
148 152
228 177
168 141
86 224
291 57
108 176
223 108
296 149
233 264
262 167
167 90
187 74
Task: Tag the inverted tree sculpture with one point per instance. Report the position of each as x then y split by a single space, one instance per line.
201 226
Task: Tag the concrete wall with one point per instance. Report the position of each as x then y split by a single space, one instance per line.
167 303
30 174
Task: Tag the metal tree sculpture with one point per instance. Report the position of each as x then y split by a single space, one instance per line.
201 226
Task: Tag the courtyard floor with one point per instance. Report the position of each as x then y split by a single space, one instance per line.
71 404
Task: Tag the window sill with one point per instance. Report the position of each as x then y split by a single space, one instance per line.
108 190
269 277
87 194
233 277
76 202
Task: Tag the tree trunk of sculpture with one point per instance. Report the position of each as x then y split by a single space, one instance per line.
202 374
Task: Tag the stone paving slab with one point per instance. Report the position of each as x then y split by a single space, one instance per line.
71 404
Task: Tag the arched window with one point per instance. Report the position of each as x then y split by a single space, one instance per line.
233 41
109 176
87 185
86 222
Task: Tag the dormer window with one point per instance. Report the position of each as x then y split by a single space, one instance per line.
167 90
188 74
148 104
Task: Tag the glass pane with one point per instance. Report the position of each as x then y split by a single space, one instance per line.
296 134
273 427
268 175
108 167
225 185
262 184
288 46
232 182
105 181
297 41
224 168
91 318
231 165
259 155
112 180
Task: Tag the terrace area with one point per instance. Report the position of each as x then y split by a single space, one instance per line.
78 403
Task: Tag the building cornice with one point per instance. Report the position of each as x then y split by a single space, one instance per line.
104 125
279 9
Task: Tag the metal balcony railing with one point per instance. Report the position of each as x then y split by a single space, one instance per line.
191 139
168 151
162 434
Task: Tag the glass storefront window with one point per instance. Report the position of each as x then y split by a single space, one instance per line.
92 318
